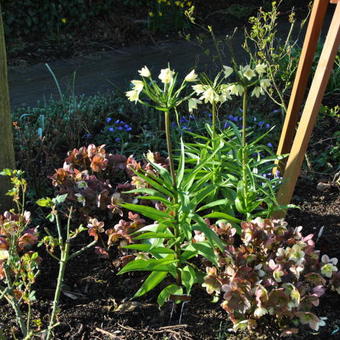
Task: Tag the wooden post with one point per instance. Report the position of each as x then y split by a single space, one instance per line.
301 78
6 139
310 111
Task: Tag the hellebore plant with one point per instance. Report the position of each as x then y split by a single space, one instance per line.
273 271
18 263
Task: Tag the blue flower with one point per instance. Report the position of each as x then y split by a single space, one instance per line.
129 129
267 126
111 129
117 121
270 145
278 174
255 119
226 125
108 120
231 117
120 128
88 135
260 123
117 139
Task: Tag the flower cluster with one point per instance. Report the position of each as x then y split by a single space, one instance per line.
90 176
117 125
16 242
247 77
274 271
164 98
95 181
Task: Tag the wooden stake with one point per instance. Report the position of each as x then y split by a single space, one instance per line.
310 111
301 78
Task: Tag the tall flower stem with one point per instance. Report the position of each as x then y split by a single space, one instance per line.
244 144
169 147
244 117
213 112
173 175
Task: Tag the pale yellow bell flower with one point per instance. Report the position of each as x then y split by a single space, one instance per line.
247 72
264 83
236 89
260 69
137 85
199 88
132 95
227 71
210 96
166 75
257 92
144 72
191 77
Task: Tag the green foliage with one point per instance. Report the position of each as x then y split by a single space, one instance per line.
168 15
272 270
240 11
35 18
169 240
245 194
19 263
43 134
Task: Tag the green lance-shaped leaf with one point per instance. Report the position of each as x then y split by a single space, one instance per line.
154 279
160 265
150 212
189 277
224 216
149 248
214 204
206 251
164 295
151 234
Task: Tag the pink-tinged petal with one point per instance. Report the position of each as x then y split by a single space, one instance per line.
319 290
101 252
289 332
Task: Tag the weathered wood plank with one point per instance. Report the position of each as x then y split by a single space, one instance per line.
310 111
301 78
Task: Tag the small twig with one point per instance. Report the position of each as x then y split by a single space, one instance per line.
112 336
173 326
128 328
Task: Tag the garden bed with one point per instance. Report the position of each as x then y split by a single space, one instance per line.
95 306
187 223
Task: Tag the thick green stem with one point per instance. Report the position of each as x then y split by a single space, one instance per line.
14 303
244 117
244 145
169 147
64 257
213 109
